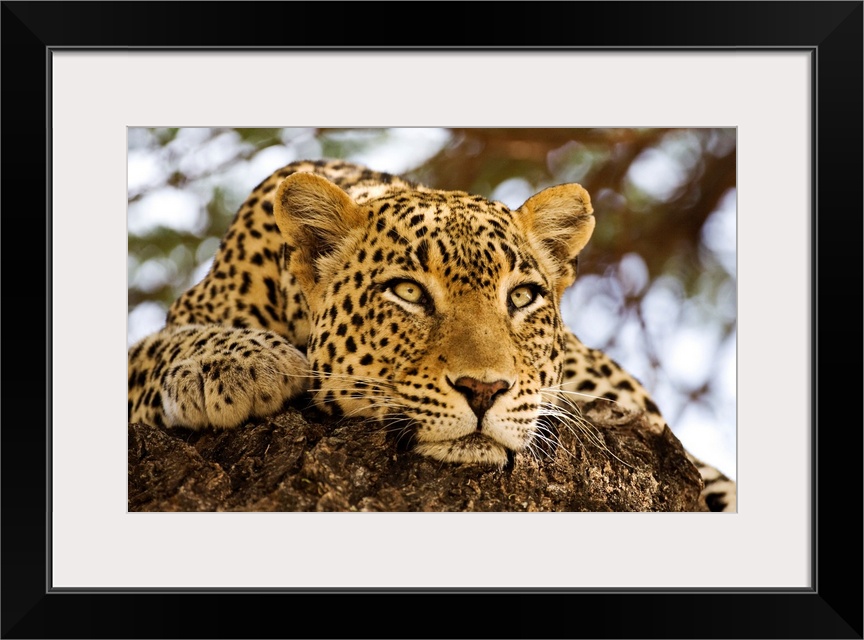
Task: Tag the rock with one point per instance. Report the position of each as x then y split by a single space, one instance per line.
292 462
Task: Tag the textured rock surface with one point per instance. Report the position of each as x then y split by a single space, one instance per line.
291 463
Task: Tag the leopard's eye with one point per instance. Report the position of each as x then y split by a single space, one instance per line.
522 296
409 291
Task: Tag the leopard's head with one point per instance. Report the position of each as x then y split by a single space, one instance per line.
435 311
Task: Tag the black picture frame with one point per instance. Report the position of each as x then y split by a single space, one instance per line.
831 608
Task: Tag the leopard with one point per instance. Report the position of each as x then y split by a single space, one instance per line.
434 311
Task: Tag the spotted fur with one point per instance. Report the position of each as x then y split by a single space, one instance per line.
436 312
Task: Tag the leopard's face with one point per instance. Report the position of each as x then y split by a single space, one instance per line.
436 312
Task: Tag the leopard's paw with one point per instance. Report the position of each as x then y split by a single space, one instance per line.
228 388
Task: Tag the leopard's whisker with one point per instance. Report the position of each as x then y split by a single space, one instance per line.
580 394
576 424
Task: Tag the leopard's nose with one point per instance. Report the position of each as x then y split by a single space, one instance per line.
480 395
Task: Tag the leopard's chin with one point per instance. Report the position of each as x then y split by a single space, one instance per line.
474 448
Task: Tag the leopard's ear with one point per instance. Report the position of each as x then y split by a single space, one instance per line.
559 222
315 217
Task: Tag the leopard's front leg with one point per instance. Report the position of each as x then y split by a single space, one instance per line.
200 376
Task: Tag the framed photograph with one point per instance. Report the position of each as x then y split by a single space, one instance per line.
784 77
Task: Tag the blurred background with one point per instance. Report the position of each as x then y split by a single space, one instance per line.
657 283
